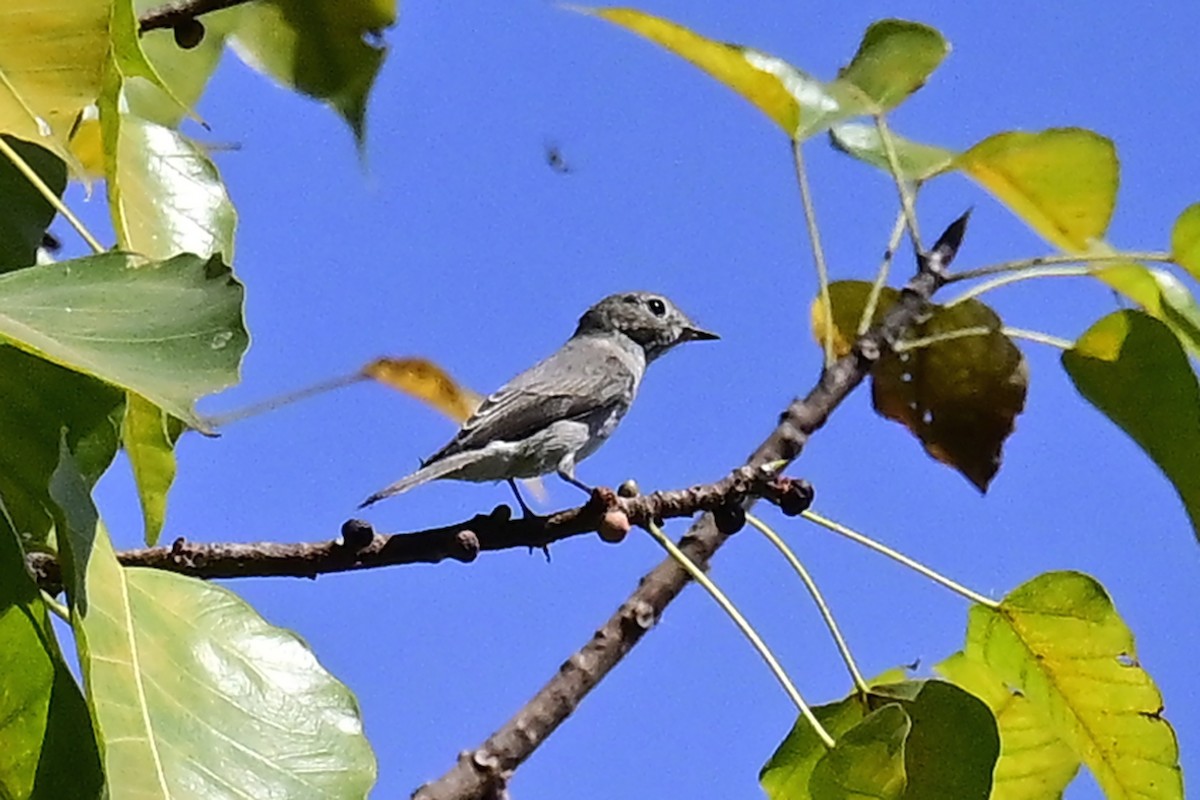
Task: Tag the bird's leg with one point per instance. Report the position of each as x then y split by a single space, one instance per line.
526 512
566 471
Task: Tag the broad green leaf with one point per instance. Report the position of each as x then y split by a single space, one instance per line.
1058 640
47 749
867 761
171 331
917 162
1062 182
959 395
37 401
24 213
195 695
52 58
150 443
328 49
791 98
1034 763
786 774
1161 295
895 59
1185 240
1133 368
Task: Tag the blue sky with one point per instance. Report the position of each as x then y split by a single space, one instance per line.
457 242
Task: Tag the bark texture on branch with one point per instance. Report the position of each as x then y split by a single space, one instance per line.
484 772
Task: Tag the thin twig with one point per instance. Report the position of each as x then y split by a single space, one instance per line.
745 627
1017 277
907 205
814 238
174 14
823 607
49 194
881 276
1057 258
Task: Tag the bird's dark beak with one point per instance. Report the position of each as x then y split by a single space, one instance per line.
691 334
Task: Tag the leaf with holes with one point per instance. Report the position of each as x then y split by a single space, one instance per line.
1058 640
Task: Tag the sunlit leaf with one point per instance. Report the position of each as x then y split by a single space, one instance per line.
1058 640
148 437
793 99
894 59
24 213
52 58
1134 369
1034 763
37 401
328 49
848 299
171 331
193 694
1185 240
917 162
427 382
47 749
1062 182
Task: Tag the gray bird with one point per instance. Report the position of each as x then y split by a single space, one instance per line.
555 414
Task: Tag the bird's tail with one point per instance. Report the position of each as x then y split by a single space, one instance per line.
430 472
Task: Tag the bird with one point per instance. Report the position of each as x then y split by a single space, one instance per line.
559 411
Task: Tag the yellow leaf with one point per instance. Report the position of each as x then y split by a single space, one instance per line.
426 381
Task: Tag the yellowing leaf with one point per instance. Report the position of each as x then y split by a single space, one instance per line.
427 382
848 300
895 59
1059 641
917 161
793 99
1185 240
1062 181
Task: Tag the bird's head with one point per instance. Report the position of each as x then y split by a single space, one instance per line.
649 319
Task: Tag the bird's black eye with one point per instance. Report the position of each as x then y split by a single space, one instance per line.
657 307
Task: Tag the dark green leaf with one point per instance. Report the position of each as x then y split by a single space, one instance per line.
24 213
867 761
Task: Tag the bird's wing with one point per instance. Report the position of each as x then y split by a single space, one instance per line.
584 376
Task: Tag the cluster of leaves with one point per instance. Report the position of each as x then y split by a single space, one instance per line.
1048 678
188 691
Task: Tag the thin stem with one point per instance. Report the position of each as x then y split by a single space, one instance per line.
906 198
864 322
983 330
56 608
1064 258
1005 280
817 597
51 197
221 420
745 627
868 542
1039 337
814 237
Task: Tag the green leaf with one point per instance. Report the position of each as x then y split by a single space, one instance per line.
52 58
1062 182
149 441
1034 763
917 162
171 331
75 521
195 695
165 194
791 98
867 761
324 48
895 59
959 395
24 213
1058 640
1133 368
786 774
1185 240
37 401
47 749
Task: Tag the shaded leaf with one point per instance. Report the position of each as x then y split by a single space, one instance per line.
786 774
426 381
24 213
1185 240
1034 762
917 161
47 749
171 331
37 401
1059 641
1133 368
1062 182
790 97
868 759
75 520
894 59
52 58
148 436
328 49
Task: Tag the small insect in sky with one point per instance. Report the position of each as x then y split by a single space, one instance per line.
556 160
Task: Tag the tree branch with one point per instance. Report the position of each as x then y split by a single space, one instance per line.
483 772
174 15
360 547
